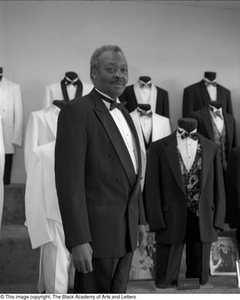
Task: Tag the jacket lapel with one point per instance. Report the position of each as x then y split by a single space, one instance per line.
204 92
206 158
172 156
115 137
208 122
51 117
64 91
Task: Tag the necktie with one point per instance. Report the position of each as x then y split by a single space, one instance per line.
145 113
185 135
145 85
218 113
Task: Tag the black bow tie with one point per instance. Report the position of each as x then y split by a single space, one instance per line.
113 103
68 81
210 83
147 85
145 113
185 135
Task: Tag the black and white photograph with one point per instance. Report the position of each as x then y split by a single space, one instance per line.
119 148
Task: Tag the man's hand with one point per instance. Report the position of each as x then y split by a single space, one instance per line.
142 234
82 258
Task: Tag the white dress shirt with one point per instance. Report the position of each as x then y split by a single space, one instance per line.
212 90
187 148
71 90
219 121
125 131
145 92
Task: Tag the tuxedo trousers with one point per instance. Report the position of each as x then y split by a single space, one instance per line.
56 272
7 169
169 257
109 275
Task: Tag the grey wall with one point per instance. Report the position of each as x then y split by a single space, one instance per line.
41 40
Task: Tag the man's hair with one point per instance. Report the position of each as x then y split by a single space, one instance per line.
94 61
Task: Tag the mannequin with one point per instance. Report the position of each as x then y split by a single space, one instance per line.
145 78
211 76
145 92
69 88
199 94
183 183
216 104
1 73
188 124
145 107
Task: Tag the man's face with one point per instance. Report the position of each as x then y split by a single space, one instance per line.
111 76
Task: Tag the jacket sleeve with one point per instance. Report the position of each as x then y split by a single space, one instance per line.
70 153
18 118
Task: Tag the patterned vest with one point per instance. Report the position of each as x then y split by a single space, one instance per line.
192 179
221 140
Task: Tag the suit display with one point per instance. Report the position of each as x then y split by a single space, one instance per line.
185 200
233 191
145 92
197 96
160 128
100 202
11 111
67 89
43 218
207 127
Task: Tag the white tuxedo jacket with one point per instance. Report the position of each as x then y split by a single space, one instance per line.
41 202
41 129
54 92
160 128
11 111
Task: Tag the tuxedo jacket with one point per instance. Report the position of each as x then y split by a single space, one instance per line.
11 111
233 188
196 96
205 126
41 129
99 193
41 202
165 193
160 128
58 91
159 99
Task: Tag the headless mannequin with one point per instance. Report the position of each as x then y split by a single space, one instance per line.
216 104
145 107
71 75
210 75
1 73
188 124
145 78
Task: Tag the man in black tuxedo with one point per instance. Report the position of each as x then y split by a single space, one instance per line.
98 170
198 95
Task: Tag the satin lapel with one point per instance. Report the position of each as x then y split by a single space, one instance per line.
206 159
79 89
208 123
115 137
204 93
173 160
229 125
51 117
64 91
219 94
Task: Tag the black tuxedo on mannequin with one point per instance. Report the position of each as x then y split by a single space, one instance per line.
168 211
196 96
71 78
205 126
161 100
